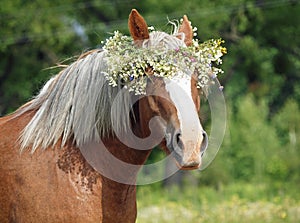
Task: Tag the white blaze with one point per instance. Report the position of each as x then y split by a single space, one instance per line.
180 92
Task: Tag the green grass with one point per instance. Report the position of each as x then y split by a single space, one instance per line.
231 204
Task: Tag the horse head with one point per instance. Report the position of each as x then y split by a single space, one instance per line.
176 100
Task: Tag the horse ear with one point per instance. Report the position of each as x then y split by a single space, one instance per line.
137 26
187 29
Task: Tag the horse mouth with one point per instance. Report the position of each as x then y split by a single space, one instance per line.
188 167
191 165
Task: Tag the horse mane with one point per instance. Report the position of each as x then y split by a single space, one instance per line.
76 103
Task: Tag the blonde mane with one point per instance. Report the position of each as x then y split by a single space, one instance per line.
76 103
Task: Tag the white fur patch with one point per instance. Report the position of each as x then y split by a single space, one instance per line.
180 92
175 86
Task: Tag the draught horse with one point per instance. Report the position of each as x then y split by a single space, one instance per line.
44 177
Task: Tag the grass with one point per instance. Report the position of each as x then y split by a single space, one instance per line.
235 203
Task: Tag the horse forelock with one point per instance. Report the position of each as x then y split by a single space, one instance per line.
168 41
76 103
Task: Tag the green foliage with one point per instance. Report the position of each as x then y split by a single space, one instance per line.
287 123
257 148
251 139
30 32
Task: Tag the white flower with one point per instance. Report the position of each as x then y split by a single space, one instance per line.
128 63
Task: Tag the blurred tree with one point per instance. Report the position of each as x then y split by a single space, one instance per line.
32 35
264 47
251 140
287 123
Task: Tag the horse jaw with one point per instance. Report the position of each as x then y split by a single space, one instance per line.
187 141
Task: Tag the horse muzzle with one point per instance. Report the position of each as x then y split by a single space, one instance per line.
187 153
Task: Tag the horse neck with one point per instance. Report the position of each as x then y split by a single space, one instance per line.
129 148
122 197
118 156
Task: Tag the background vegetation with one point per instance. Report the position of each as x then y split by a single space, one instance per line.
255 177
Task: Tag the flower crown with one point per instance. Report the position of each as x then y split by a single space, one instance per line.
129 64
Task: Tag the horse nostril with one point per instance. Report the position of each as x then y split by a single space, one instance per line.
204 134
177 139
204 143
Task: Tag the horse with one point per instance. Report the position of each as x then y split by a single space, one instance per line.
46 175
